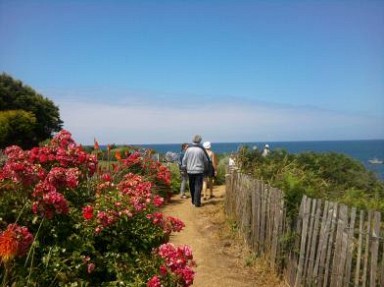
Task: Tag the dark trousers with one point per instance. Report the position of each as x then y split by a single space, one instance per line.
195 186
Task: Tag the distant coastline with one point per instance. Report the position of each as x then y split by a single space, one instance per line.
362 150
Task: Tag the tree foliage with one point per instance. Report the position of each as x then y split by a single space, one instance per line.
29 119
14 123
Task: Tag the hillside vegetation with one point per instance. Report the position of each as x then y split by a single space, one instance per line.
330 176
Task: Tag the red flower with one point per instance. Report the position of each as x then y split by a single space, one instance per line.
106 177
88 212
8 245
51 203
14 241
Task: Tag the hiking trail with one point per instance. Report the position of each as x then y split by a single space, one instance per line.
221 256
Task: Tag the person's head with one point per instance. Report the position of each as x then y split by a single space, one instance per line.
184 146
196 139
266 146
207 145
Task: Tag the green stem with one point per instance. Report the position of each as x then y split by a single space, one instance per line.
31 251
6 272
33 243
21 212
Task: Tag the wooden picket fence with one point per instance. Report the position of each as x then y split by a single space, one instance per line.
330 245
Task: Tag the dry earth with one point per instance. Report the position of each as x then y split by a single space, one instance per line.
221 257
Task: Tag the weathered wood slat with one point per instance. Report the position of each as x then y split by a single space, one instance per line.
312 210
268 235
275 228
350 249
331 246
263 219
381 271
282 254
323 240
374 248
249 216
306 205
366 249
258 199
344 245
314 244
337 249
360 249
254 222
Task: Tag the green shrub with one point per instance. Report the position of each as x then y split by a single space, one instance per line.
330 176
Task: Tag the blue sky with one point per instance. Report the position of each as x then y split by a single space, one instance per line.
233 71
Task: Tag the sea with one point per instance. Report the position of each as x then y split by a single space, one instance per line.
362 150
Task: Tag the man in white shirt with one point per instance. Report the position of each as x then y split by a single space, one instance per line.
195 162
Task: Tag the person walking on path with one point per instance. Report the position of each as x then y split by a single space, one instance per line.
209 178
195 162
183 171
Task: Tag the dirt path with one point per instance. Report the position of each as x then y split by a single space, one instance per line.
222 260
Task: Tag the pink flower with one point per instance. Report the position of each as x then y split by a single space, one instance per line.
50 204
176 225
178 261
105 219
132 159
154 282
168 224
63 177
90 267
63 139
158 201
19 169
14 152
163 270
56 200
164 175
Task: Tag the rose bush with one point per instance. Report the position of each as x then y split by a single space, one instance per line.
65 221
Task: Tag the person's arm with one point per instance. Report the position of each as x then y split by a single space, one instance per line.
184 161
214 160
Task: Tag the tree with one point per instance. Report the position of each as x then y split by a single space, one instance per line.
40 119
17 128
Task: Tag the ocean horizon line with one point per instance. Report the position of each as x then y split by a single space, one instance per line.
364 150
239 142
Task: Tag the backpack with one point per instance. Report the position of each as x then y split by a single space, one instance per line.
209 170
183 171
